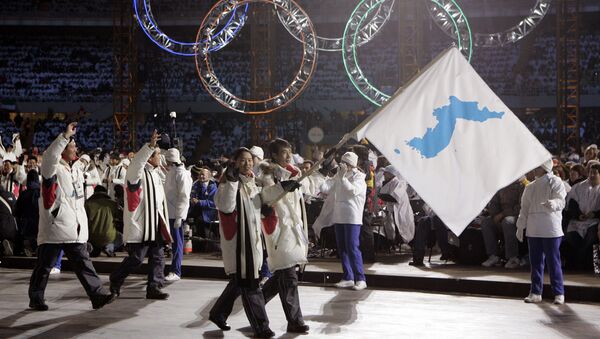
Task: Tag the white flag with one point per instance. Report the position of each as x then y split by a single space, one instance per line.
453 140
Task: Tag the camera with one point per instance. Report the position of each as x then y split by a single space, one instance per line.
165 141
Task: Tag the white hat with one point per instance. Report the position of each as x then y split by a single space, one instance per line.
350 158
298 160
257 152
172 155
547 165
391 170
10 157
592 146
85 157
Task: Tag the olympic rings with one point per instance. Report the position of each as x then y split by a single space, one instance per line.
300 23
349 55
150 28
511 35
367 33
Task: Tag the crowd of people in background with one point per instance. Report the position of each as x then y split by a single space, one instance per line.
398 220
78 68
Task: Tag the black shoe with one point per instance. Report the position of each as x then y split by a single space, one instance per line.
416 263
38 306
448 257
156 294
98 301
115 290
222 324
265 334
297 328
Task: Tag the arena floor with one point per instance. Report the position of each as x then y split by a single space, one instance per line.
329 312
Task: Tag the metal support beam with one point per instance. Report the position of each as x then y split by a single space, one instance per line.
263 66
125 68
568 75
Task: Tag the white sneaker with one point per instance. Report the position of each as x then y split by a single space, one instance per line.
55 271
493 260
360 285
172 277
533 298
8 250
559 299
345 284
512 263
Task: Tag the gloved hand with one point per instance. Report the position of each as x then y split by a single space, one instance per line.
290 185
177 223
550 204
520 232
266 210
231 173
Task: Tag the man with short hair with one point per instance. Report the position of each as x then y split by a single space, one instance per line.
202 201
285 232
12 176
503 211
63 223
145 218
583 210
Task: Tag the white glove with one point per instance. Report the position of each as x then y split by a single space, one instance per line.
177 223
520 234
550 204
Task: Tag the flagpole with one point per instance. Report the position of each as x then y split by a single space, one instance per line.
352 133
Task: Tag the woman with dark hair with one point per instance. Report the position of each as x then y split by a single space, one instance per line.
238 203
27 212
576 174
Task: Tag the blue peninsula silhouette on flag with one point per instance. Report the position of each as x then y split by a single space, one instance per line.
438 138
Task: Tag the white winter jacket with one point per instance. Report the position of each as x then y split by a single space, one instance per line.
61 205
349 194
229 211
142 219
399 214
543 221
285 231
178 187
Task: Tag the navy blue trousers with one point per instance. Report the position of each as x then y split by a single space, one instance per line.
545 250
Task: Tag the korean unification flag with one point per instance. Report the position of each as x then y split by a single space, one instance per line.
453 140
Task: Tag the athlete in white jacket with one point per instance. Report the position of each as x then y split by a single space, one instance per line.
63 223
145 217
239 203
541 214
178 187
347 193
285 232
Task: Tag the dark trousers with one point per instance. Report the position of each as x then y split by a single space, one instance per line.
424 228
137 253
545 250
580 249
177 234
285 282
47 255
252 299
